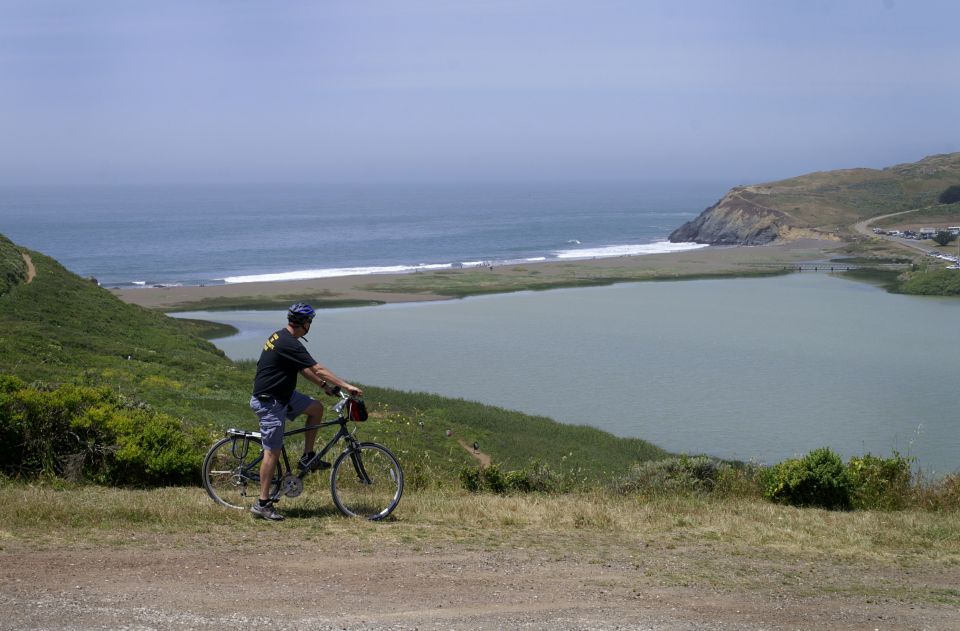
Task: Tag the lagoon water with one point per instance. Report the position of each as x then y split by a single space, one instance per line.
754 369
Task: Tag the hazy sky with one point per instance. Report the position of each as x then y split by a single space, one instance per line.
95 91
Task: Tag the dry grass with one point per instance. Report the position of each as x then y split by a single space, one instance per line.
48 514
716 544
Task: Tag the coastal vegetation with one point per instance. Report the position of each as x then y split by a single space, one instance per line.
99 390
14 268
929 281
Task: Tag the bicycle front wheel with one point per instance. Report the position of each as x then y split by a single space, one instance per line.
231 472
366 481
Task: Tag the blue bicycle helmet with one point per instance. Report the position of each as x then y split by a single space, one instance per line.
300 313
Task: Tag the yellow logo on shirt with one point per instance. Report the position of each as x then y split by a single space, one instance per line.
268 346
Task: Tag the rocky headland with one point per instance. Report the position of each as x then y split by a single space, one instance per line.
822 205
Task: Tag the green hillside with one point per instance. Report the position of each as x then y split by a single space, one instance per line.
14 269
61 329
833 200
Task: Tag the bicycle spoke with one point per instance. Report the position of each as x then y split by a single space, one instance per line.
231 471
367 482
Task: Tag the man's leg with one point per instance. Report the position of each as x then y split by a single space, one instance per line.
314 414
267 466
313 409
264 506
272 423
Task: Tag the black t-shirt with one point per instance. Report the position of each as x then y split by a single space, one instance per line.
282 359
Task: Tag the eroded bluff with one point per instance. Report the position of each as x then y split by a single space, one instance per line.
734 220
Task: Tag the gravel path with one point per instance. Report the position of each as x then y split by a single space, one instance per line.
205 584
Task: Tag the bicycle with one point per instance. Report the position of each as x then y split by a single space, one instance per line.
365 480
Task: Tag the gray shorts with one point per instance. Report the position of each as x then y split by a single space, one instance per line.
273 417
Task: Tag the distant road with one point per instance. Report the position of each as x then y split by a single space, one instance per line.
863 228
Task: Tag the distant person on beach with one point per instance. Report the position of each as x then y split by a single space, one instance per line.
275 398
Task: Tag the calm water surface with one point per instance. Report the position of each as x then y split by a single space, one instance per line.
755 369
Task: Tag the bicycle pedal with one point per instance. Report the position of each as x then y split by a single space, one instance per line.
312 464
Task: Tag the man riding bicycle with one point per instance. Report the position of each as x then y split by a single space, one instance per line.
275 398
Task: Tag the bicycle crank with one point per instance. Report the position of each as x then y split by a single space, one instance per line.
291 485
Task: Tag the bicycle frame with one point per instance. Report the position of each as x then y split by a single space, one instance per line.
285 469
366 479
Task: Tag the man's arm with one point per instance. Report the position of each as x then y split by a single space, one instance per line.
324 377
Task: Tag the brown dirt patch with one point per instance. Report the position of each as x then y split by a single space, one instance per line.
322 582
31 269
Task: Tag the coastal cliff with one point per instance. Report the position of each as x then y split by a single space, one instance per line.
819 205
734 220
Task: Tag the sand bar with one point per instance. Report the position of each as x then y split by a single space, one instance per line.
446 284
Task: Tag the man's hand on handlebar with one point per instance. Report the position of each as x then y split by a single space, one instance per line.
333 390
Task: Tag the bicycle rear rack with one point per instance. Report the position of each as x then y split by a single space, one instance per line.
239 433
239 448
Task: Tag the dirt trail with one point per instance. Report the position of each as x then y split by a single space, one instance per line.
320 582
482 458
31 270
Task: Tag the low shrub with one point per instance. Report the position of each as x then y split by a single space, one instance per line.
950 195
818 479
536 477
880 483
938 495
740 480
930 282
93 434
685 474
480 479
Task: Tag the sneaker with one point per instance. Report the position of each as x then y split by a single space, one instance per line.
267 511
305 460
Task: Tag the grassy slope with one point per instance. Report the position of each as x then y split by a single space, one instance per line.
13 269
63 329
836 199
940 215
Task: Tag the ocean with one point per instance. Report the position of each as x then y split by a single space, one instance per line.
153 235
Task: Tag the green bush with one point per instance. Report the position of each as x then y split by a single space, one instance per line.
931 282
944 237
950 195
817 479
880 483
536 477
685 474
740 480
93 434
479 479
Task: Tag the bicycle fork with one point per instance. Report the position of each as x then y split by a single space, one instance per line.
357 462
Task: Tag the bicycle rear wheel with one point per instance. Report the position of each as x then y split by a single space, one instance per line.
231 472
366 481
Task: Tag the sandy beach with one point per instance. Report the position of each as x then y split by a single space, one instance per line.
446 284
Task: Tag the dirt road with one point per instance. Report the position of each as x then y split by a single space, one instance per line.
322 582
863 227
